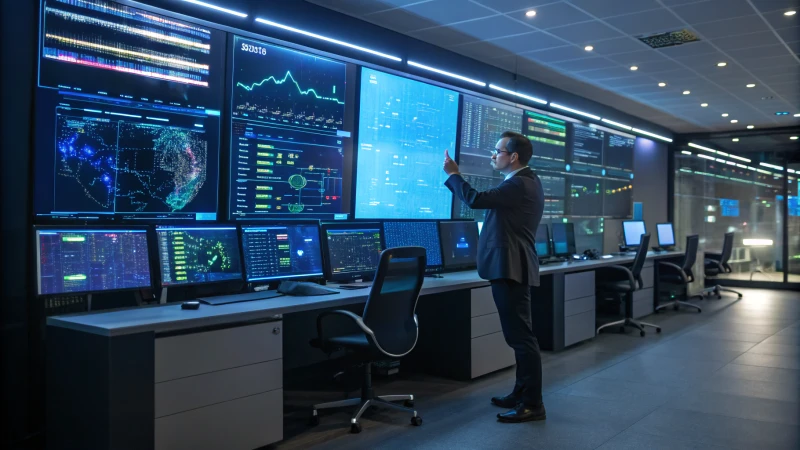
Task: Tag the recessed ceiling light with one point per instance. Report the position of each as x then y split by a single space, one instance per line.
790 13
734 121
794 138
662 84
782 113
634 68
797 115
588 48
751 85
722 64
750 127
703 104
687 92
725 115
735 139
530 13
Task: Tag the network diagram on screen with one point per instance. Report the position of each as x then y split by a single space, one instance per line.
404 128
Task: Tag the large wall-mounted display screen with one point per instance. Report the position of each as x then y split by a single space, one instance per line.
404 128
127 116
291 124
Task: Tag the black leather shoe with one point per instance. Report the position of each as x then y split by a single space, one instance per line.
523 413
508 402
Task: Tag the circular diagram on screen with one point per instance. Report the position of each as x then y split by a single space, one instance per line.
297 181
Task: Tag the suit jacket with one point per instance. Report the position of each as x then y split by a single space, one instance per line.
506 247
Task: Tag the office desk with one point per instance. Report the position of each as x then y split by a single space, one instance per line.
166 378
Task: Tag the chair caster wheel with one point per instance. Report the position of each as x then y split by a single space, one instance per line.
355 428
641 333
313 420
658 330
408 403
740 296
416 421
719 297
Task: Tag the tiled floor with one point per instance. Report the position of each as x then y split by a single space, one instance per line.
726 378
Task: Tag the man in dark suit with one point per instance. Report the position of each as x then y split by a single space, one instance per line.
507 258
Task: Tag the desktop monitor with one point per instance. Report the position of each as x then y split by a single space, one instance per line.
459 244
666 235
632 231
198 255
86 260
419 234
279 251
563 239
352 250
542 241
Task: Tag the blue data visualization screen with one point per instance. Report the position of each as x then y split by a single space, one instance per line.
274 252
91 260
194 255
415 234
729 207
404 128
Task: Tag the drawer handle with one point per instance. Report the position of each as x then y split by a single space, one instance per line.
276 330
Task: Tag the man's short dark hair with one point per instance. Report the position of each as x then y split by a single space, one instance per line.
520 145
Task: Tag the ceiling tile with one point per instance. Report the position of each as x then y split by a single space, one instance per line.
492 27
585 33
746 41
356 8
613 72
607 77
679 2
690 49
789 34
731 27
656 67
619 45
646 23
557 54
449 11
505 6
483 51
442 36
528 42
714 10
578 65
639 57
400 20
558 15
773 5
778 20
604 9
760 52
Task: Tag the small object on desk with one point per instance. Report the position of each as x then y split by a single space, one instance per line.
190 305
607 256
303 289
263 287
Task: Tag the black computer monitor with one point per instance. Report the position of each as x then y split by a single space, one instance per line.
666 235
632 231
416 233
352 250
278 251
459 244
198 255
542 241
563 239
85 260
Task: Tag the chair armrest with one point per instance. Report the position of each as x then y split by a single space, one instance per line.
669 267
354 317
715 263
616 273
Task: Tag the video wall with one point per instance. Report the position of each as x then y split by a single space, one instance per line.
143 117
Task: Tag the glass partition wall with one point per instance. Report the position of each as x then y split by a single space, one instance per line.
716 192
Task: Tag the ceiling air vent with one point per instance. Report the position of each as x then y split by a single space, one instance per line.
669 38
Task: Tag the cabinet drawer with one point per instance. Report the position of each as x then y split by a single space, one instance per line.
642 303
648 277
242 424
194 392
580 305
483 325
211 351
482 302
578 285
490 353
579 327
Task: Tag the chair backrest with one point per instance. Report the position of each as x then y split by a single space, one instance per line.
727 250
392 302
690 257
638 260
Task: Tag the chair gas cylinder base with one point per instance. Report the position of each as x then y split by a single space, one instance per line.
681 276
716 264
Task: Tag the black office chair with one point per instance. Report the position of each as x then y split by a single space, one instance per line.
674 275
716 264
619 281
389 328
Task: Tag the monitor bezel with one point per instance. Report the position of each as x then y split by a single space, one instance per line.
346 277
658 235
302 222
435 269
550 251
625 237
569 229
458 267
103 227
204 283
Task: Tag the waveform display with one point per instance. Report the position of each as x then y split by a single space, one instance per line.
415 234
618 198
548 136
278 171
281 251
353 250
119 163
482 123
286 87
198 255
404 128
91 260
103 47
586 196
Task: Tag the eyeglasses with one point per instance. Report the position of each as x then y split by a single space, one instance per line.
496 151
